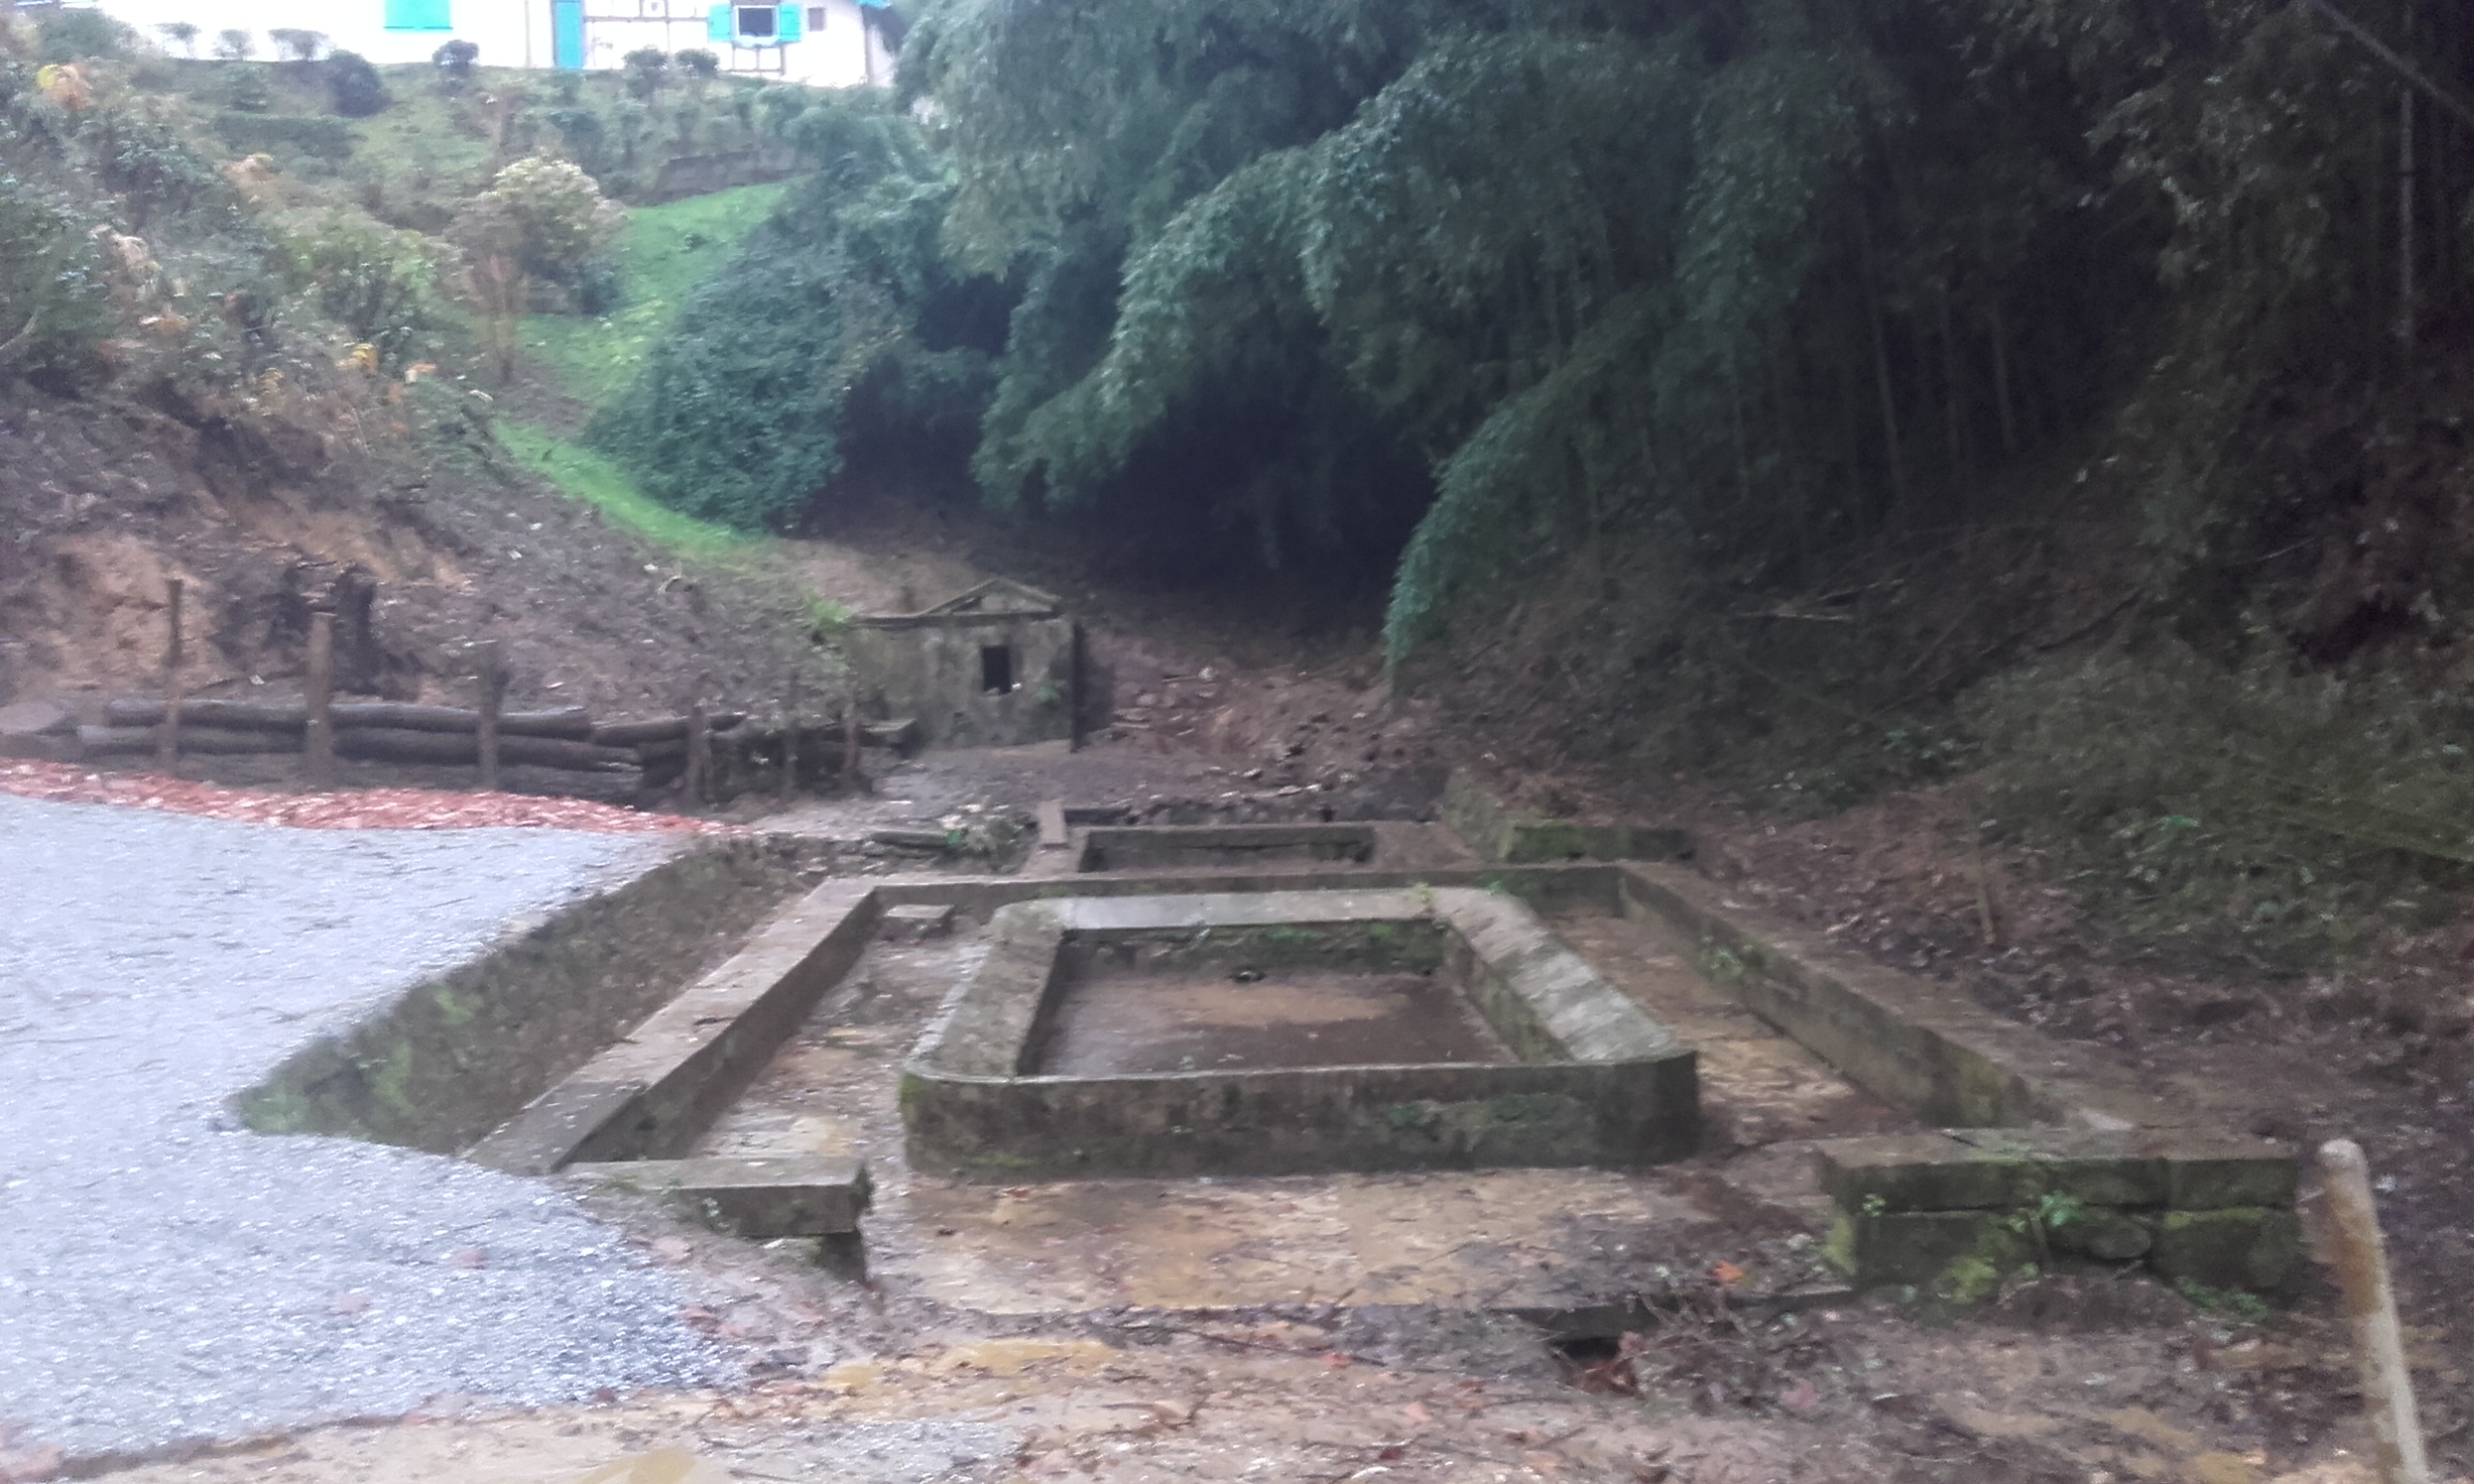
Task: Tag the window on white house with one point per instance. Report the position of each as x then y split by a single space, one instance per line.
419 15
816 17
758 22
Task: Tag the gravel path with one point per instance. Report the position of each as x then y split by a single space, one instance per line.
165 1276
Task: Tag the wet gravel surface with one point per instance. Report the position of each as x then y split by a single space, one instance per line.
165 1276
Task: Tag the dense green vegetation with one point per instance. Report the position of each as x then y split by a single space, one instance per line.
1766 278
1711 351
840 317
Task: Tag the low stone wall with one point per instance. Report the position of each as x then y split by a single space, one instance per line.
2051 1155
1502 835
446 1063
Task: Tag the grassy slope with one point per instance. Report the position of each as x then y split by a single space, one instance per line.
666 250
431 150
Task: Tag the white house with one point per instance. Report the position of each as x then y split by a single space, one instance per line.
832 44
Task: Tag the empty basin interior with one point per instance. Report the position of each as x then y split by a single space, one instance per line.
1326 995
1136 849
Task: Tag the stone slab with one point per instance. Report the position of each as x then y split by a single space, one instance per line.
916 922
760 1197
1996 1168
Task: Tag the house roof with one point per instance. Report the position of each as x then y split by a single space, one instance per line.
998 597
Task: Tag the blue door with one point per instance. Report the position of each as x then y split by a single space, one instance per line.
566 34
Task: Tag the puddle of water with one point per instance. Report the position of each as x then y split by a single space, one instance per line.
1113 1022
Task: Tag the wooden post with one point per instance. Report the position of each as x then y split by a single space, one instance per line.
167 734
2361 1260
318 739
791 737
493 658
700 753
850 780
1074 692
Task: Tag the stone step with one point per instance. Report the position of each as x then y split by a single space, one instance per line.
773 1195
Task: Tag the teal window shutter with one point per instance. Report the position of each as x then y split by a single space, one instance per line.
419 15
793 24
718 24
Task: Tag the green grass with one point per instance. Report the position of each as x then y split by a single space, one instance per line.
593 479
666 251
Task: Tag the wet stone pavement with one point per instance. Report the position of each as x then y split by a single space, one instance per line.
165 1275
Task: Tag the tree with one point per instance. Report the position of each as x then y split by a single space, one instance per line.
182 34
539 217
646 70
355 85
295 45
235 46
702 67
455 60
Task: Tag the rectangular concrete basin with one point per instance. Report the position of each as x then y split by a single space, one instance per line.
1289 1032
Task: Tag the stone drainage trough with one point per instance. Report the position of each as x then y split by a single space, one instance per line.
1461 1034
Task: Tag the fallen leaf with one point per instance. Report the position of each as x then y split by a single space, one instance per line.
1727 1275
1415 1412
1801 1398
674 1249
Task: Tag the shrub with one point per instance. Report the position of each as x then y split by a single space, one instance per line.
701 66
355 85
540 218
146 164
376 281
646 70
245 89
69 35
53 304
563 220
455 60
582 137
320 138
808 343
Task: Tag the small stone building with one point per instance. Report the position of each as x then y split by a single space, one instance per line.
995 667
